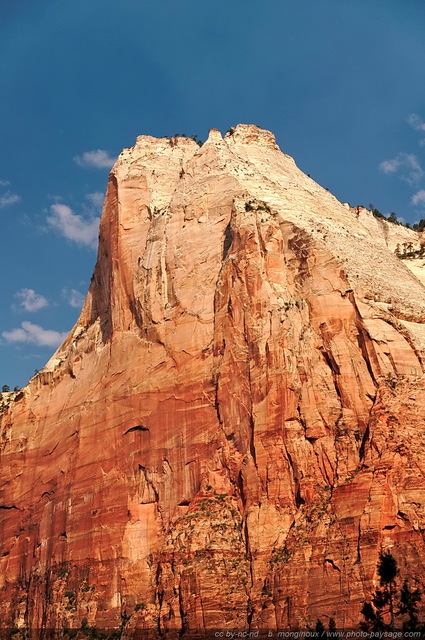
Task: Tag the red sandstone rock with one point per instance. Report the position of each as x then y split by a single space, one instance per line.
233 430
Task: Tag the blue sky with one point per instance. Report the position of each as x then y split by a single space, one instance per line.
340 82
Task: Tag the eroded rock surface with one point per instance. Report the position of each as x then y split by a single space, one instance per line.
234 428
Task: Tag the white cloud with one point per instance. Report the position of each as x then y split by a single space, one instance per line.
96 199
9 198
418 198
4 183
73 297
406 164
73 226
30 300
416 122
33 334
98 158
389 166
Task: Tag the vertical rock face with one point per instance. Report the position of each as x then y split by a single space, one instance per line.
234 428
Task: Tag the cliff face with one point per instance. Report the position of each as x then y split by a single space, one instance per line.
233 430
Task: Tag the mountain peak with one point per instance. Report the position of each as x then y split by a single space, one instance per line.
251 134
250 357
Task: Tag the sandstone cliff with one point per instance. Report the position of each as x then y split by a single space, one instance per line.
234 428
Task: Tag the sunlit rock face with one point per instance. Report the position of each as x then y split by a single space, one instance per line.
234 428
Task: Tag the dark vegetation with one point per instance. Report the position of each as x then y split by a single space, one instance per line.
407 251
183 135
392 217
389 606
257 206
419 226
6 389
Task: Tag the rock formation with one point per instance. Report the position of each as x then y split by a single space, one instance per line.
234 428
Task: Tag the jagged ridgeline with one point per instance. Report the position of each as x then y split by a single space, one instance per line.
232 433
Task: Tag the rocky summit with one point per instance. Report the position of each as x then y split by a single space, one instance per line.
234 429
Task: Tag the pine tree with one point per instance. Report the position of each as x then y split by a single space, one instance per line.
373 620
386 599
320 627
387 571
373 612
408 605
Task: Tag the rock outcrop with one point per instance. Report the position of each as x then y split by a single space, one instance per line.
234 428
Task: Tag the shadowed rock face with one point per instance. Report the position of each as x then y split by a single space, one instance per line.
234 428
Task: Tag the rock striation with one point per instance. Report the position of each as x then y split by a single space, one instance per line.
234 428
